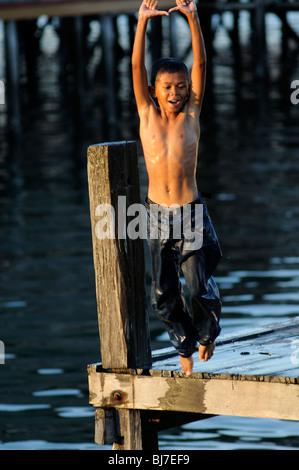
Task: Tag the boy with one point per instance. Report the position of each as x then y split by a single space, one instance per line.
169 133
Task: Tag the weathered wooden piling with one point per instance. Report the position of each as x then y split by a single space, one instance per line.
113 180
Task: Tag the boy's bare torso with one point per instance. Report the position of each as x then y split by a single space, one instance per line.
170 151
170 133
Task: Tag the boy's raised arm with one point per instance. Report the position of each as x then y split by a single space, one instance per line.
198 72
148 9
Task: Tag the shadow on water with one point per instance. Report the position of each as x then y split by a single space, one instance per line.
248 160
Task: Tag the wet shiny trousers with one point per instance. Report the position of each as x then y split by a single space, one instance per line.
170 257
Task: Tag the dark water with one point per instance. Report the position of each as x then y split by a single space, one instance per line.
48 321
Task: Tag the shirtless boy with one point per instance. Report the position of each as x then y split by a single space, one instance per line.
169 113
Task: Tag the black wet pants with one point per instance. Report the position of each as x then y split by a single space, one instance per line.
171 255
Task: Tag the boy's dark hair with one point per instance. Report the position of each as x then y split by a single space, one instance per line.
170 65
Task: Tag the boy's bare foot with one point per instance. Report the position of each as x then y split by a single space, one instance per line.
206 352
187 364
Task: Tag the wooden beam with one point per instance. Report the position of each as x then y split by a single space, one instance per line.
31 10
118 260
206 396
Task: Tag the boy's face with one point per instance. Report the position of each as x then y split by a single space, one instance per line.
171 91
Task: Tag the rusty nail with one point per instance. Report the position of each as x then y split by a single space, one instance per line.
117 396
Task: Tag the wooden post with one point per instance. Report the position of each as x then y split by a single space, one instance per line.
113 180
119 262
174 50
155 36
127 429
12 77
108 36
259 42
208 34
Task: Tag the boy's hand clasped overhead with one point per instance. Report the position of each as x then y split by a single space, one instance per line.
149 8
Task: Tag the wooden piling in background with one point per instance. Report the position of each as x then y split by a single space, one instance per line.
12 77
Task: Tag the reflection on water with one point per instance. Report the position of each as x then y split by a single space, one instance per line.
234 433
248 161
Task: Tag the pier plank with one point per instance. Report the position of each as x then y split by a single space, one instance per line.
263 351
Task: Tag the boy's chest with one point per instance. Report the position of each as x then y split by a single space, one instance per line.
177 134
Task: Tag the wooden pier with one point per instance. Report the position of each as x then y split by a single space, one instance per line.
250 376
136 394
19 17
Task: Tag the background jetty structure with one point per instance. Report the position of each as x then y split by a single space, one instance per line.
136 394
21 33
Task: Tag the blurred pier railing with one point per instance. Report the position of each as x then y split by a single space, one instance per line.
20 9
20 18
